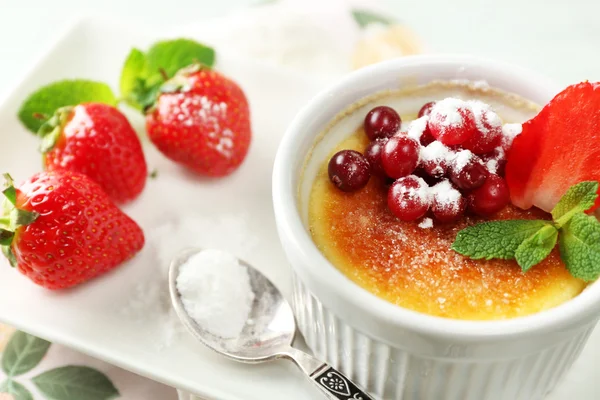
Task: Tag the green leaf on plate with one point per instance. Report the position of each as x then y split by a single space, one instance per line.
18 391
40 106
366 17
22 353
75 383
579 244
536 248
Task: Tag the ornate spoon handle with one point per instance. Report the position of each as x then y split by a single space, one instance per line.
330 381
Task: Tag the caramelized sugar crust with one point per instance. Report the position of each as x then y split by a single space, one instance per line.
415 268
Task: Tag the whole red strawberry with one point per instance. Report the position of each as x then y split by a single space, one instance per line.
201 120
61 229
97 140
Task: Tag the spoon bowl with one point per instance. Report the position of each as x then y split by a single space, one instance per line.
269 329
267 334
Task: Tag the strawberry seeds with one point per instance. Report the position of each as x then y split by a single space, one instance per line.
447 162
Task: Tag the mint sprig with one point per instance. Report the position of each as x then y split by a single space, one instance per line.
502 238
530 241
144 73
580 246
41 105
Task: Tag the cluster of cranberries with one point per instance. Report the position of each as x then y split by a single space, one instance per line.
447 161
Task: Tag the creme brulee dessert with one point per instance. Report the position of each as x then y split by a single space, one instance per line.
388 201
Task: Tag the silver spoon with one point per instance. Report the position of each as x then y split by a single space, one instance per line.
267 335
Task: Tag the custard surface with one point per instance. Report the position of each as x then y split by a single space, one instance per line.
415 268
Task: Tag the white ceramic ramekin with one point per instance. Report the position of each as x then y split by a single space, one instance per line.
397 353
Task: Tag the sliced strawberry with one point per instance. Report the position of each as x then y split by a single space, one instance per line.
557 149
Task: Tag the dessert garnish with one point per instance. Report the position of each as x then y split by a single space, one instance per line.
531 241
447 161
81 130
60 229
195 115
557 149
556 152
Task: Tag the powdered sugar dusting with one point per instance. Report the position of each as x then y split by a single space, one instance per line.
437 152
417 127
427 223
487 121
461 160
445 195
492 165
420 194
196 110
447 114
509 133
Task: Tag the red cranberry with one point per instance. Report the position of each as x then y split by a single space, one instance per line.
489 129
373 155
495 161
408 198
434 159
349 170
400 156
448 204
490 198
382 122
451 121
426 138
426 109
467 171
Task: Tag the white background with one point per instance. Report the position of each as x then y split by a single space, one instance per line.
560 38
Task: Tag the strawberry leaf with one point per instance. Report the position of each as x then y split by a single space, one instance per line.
578 198
536 248
144 73
495 239
41 105
579 244
132 75
172 55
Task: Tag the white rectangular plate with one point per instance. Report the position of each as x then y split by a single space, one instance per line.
124 317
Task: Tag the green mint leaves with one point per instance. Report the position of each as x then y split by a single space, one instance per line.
535 248
580 246
41 105
144 73
531 241
577 199
495 239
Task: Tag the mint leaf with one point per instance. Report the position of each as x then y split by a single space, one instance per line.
132 75
75 382
172 55
579 244
536 248
46 100
144 73
495 239
22 353
18 391
578 198
365 17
